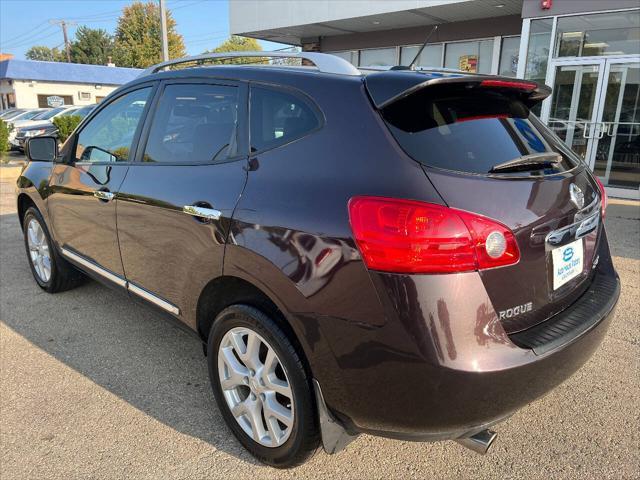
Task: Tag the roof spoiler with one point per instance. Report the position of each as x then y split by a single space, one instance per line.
388 87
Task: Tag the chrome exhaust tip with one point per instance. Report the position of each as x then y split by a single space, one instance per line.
480 442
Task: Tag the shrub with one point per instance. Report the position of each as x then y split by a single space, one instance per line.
4 137
66 125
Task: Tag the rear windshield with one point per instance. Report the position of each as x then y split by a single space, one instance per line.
456 129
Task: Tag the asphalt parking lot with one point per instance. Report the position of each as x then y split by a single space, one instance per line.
92 385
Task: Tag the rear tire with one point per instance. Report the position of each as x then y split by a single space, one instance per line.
51 272
248 389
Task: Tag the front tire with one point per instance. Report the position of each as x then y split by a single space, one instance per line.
51 272
261 387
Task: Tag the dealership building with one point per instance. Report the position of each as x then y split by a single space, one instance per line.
33 84
587 50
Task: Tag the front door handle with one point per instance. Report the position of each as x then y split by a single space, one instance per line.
103 195
202 212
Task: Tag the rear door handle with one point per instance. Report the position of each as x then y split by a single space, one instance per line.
202 212
103 195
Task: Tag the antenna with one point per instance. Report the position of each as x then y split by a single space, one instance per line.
412 65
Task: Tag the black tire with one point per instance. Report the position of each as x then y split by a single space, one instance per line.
63 275
304 438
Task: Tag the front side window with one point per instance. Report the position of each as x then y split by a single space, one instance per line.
194 123
109 135
278 117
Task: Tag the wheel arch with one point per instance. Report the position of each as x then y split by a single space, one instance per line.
24 201
228 290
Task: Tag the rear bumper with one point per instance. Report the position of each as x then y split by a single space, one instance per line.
442 367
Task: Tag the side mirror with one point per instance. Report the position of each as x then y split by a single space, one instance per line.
42 149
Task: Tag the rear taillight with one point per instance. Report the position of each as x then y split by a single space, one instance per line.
604 200
406 236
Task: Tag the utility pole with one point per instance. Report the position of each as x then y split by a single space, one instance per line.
163 28
64 24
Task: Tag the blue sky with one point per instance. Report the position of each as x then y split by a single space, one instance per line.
204 24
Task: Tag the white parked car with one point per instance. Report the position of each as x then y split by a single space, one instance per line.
44 118
22 117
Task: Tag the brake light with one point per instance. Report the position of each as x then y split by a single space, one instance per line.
604 200
407 236
526 86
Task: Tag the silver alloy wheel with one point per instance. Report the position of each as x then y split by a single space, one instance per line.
256 386
39 250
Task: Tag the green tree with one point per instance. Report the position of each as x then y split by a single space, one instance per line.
236 43
138 40
46 54
92 46
4 137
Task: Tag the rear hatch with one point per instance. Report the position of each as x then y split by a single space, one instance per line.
486 153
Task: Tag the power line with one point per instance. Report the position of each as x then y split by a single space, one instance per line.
25 39
201 36
25 34
29 41
187 5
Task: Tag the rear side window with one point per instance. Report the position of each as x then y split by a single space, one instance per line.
469 132
194 123
278 117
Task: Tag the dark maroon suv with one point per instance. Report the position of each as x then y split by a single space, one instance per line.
403 253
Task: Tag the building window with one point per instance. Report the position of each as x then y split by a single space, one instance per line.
431 56
509 56
474 57
350 56
600 34
538 50
378 57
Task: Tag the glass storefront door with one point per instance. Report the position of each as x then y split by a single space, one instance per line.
617 148
573 105
595 109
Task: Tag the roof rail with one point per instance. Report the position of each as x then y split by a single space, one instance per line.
325 63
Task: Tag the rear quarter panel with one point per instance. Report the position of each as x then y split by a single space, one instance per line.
290 234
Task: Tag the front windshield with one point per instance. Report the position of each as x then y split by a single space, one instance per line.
12 115
71 111
48 114
28 115
84 111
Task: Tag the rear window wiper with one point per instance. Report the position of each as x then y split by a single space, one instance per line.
528 162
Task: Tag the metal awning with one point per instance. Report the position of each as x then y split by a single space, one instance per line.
291 22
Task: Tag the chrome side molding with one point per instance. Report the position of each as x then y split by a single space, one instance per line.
201 212
118 280
141 292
